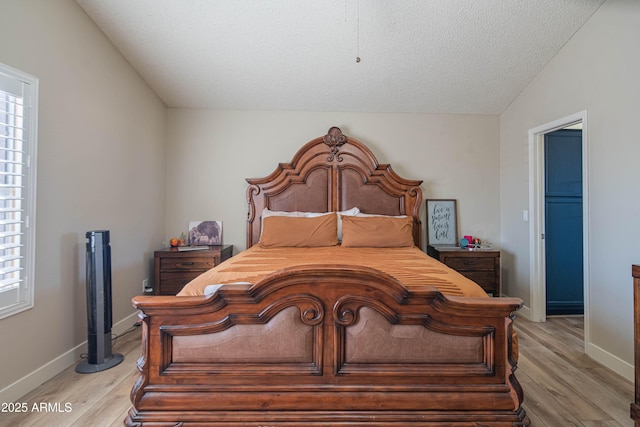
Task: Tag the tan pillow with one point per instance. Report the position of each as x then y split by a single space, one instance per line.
280 231
377 231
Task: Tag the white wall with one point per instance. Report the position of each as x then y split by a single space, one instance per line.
596 71
101 165
211 152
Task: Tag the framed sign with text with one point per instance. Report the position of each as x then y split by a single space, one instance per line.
442 222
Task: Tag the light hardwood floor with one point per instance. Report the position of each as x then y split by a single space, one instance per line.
562 386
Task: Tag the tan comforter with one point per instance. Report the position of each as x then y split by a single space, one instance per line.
409 265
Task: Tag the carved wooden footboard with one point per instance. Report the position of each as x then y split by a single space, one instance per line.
318 346
635 406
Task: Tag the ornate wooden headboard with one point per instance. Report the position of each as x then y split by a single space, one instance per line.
329 174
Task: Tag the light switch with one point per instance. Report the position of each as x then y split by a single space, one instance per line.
525 215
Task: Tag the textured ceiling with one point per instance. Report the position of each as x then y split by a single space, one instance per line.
431 56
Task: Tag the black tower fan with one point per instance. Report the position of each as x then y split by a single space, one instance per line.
99 305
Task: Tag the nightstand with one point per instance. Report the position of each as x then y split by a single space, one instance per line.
174 268
480 265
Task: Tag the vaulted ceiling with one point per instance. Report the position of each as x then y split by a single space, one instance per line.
430 56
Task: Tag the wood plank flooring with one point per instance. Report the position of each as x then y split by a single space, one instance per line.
96 400
562 386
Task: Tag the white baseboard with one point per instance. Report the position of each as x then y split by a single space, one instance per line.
598 354
611 361
525 312
29 382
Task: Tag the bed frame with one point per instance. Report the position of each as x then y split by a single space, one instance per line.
320 345
635 405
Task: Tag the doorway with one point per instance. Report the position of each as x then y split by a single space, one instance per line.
537 216
563 221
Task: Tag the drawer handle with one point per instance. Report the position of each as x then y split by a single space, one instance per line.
187 263
469 262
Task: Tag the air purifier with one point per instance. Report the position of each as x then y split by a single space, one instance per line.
99 355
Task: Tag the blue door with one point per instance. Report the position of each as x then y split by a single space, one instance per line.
563 222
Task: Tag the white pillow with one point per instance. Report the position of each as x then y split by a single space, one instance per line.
350 212
390 216
267 213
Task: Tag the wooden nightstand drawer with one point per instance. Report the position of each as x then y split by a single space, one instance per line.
486 279
470 263
174 268
481 266
173 281
187 263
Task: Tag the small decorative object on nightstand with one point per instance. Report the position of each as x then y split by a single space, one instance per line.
482 265
175 268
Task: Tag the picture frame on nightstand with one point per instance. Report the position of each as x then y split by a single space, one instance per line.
442 221
205 233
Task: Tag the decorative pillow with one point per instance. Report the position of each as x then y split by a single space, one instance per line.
296 214
348 212
278 231
377 231
266 213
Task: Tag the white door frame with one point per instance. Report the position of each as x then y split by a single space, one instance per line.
536 208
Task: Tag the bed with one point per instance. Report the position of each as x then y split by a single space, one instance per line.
350 325
635 405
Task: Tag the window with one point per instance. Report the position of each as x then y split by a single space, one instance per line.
18 132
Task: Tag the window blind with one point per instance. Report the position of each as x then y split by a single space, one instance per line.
16 141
